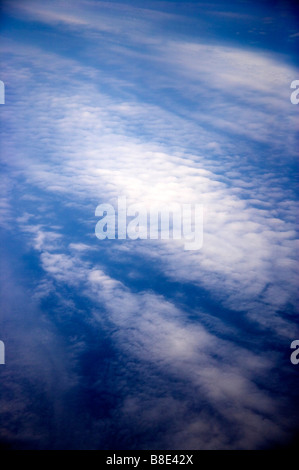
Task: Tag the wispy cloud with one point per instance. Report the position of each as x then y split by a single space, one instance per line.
149 329
100 158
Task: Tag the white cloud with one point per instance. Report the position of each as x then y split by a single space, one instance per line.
151 330
96 153
88 145
81 247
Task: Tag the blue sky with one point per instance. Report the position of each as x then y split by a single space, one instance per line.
123 344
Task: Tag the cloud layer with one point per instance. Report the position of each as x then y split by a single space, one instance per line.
196 340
